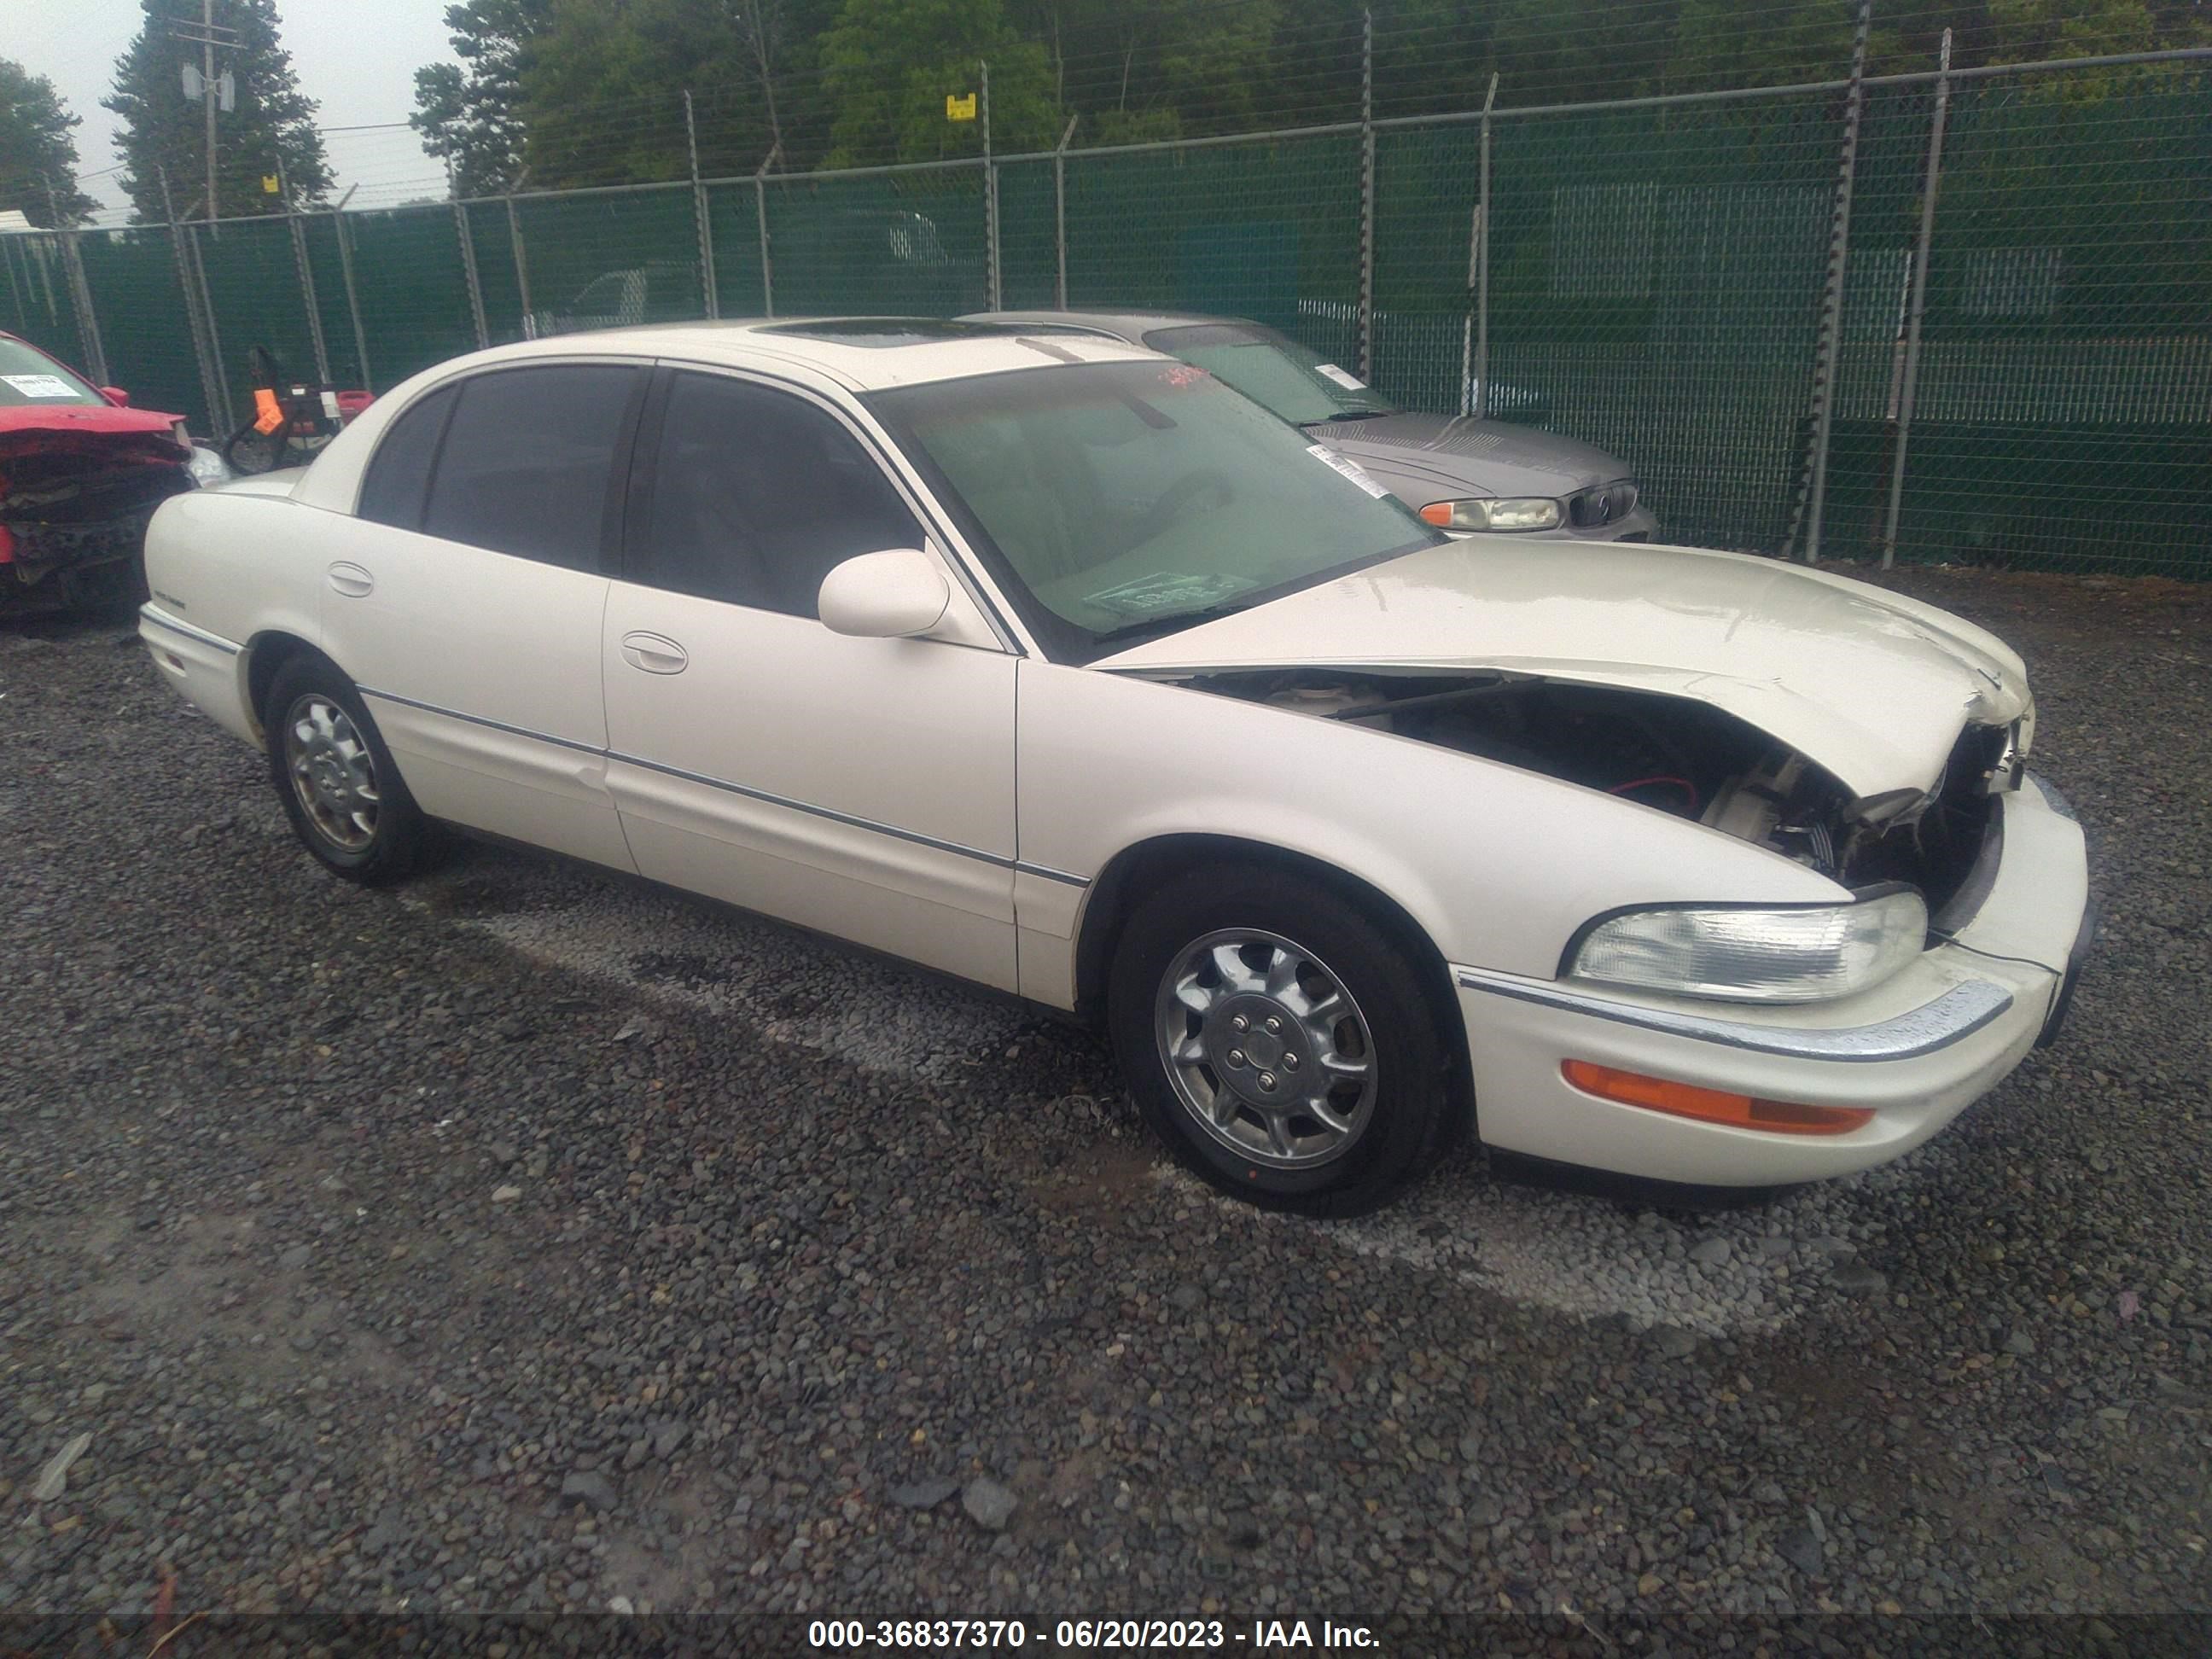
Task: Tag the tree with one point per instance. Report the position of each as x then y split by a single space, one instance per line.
889 65
1718 44
471 113
272 125
1142 69
603 96
38 154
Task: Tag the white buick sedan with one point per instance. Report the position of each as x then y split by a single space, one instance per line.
1057 665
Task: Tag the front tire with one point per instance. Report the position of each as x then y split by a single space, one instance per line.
339 786
1278 1040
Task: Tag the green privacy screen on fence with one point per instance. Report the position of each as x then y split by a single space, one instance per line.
1655 282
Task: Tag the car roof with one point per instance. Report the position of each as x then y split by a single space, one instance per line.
857 355
862 354
1130 325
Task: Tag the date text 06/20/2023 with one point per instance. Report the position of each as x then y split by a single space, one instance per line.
1258 1635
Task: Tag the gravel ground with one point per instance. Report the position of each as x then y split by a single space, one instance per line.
532 1240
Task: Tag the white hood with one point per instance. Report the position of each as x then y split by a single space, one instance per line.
1871 685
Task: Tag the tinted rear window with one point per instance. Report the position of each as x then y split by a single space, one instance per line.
399 472
526 460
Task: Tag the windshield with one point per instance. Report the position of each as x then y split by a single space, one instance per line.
1273 370
29 376
1121 499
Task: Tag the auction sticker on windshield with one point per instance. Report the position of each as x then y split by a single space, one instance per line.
1330 371
1347 466
41 386
1168 591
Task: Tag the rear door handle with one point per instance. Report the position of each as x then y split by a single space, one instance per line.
350 580
655 653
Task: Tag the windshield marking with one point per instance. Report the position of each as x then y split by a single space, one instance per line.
41 386
1169 591
1350 468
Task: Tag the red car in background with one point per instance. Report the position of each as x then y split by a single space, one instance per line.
81 474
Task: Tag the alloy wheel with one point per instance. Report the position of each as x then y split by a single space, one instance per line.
1266 1049
333 773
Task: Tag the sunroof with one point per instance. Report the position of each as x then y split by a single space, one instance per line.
889 331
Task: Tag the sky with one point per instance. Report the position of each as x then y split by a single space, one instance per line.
357 58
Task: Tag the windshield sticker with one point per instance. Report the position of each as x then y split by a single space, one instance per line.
1350 468
1331 372
41 386
1181 374
1167 592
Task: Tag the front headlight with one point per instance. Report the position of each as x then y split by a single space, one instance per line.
1505 512
1797 954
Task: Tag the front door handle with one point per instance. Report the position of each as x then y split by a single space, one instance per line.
350 580
655 653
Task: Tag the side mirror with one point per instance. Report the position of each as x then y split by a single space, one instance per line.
116 395
890 595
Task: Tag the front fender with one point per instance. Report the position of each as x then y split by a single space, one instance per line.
1498 866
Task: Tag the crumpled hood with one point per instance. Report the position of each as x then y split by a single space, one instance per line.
105 419
1872 685
94 431
1496 457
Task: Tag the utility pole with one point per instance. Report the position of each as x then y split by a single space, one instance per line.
202 84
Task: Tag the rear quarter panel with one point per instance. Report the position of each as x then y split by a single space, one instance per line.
244 566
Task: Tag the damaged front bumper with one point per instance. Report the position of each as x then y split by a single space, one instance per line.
1914 1051
74 509
64 565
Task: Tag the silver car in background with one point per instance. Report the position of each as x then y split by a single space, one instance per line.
1463 475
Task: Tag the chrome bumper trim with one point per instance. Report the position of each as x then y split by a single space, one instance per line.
149 612
1958 1013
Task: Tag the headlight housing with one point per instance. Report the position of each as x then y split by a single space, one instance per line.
1497 512
1795 953
207 468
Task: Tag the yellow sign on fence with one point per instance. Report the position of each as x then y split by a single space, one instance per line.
958 108
268 183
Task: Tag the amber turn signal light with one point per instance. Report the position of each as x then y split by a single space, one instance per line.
1655 1094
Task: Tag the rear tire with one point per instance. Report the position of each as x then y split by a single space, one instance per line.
1278 1040
338 783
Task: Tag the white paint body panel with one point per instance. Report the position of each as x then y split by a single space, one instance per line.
239 563
1498 867
506 651
875 792
953 799
1516 1048
1874 689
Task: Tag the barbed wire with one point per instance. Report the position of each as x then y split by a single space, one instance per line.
1309 72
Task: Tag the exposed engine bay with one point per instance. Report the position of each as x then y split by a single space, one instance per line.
74 511
1677 756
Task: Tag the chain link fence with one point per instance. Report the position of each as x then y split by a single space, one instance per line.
2022 364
